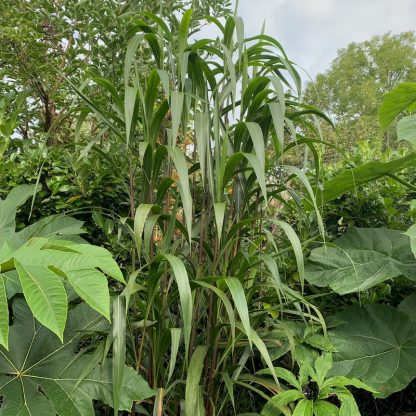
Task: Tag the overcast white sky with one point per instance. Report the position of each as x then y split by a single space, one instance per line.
312 31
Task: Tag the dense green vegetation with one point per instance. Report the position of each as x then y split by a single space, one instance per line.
172 240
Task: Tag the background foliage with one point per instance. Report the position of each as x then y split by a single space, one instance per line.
240 283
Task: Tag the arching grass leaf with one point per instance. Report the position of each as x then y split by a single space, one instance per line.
193 378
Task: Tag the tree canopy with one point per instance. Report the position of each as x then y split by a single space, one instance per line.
352 90
44 42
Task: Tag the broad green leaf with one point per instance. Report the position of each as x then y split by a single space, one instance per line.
285 375
39 376
193 378
286 397
8 207
376 344
351 179
322 365
395 102
45 295
411 232
408 306
4 315
60 227
271 409
323 408
342 381
91 285
348 405
406 129
43 260
304 408
361 259
86 255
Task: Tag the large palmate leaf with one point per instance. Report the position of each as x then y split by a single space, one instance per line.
406 129
39 262
401 98
377 344
351 179
360 259
411 232
408 306
42 376
59 226
42 263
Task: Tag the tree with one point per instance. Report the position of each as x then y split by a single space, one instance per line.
352 90
44 41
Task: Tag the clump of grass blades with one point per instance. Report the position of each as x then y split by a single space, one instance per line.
206 126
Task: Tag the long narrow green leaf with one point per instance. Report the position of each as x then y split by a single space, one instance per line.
297 248
261 346
142 212
202 140
4 315
240 302
176 108
304 408
227 304
183 31
258 141
257 166
175 337
185 295
229 386
179 161
219 212
193 378
119 350
304 179
131 51
129 109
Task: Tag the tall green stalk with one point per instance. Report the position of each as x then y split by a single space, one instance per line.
206 126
